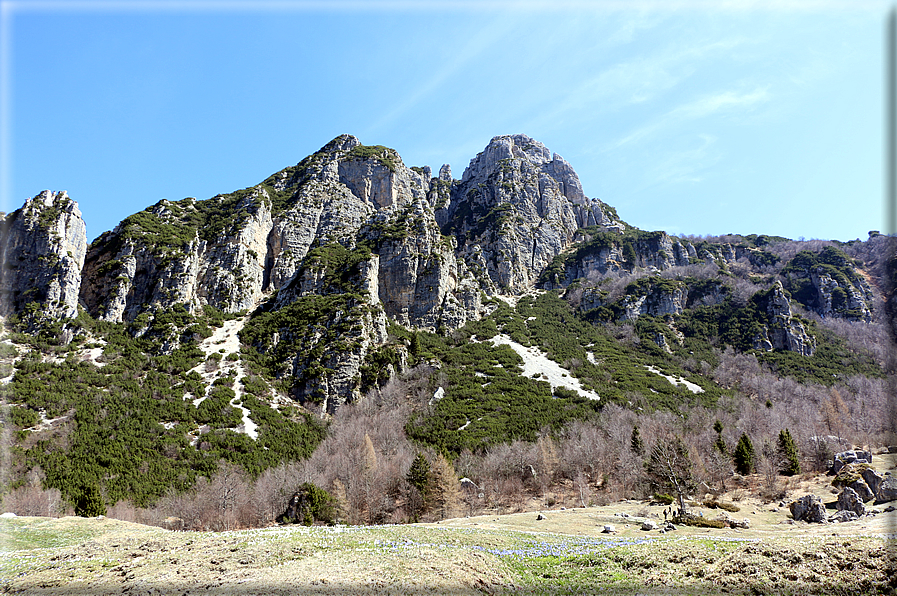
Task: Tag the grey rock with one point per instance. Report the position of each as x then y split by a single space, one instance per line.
849 457
649 525
609 529
514 210
42 249
844 515
887 490
849 500
863 490
782 331
808 508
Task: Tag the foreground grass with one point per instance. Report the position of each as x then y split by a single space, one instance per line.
90 556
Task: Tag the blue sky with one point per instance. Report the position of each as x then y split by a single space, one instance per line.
693 119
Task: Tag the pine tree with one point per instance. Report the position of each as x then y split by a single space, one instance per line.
419 475
635 442
720 444
89 502
788 451
744 455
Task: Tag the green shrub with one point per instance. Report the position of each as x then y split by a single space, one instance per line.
89 502
664 499
698 522
310 504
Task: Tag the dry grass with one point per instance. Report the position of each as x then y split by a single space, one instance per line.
565 552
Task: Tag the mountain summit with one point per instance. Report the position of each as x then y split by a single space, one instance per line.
370 242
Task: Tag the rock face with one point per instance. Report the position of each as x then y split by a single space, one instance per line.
42 248
353 230
808 508
872 479
781 331
515 209
829 284
887 490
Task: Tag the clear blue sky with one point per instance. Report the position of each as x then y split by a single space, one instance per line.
694 120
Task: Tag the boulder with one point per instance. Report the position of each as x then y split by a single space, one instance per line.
872 479
849 500
609 529
808 508
863 491
732 522
887 490
649 525
842 516
850 457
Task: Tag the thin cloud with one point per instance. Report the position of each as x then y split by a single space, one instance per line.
636 81
488 36
688 165
701 108
720 101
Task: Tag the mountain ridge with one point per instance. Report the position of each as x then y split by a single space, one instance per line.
418 250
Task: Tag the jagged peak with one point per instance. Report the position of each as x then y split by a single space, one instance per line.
344 142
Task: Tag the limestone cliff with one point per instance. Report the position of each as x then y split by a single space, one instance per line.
515 209
829 284
328 252
42 249
781 330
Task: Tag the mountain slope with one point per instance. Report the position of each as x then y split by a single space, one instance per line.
349 270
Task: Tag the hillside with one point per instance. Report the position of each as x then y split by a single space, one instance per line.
348 313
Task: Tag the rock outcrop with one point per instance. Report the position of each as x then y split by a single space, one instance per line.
849 500
844 458
515 209
42 249
887 490
781 329
829 284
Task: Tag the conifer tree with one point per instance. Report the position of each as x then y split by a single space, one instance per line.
788 451
419 475
720 444
89 502
446 493
635 442
744 455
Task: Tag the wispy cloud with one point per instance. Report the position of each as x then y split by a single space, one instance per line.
688 165
492 33
636 81
711 104
700 108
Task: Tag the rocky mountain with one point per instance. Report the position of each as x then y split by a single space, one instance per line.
229 330
395 245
